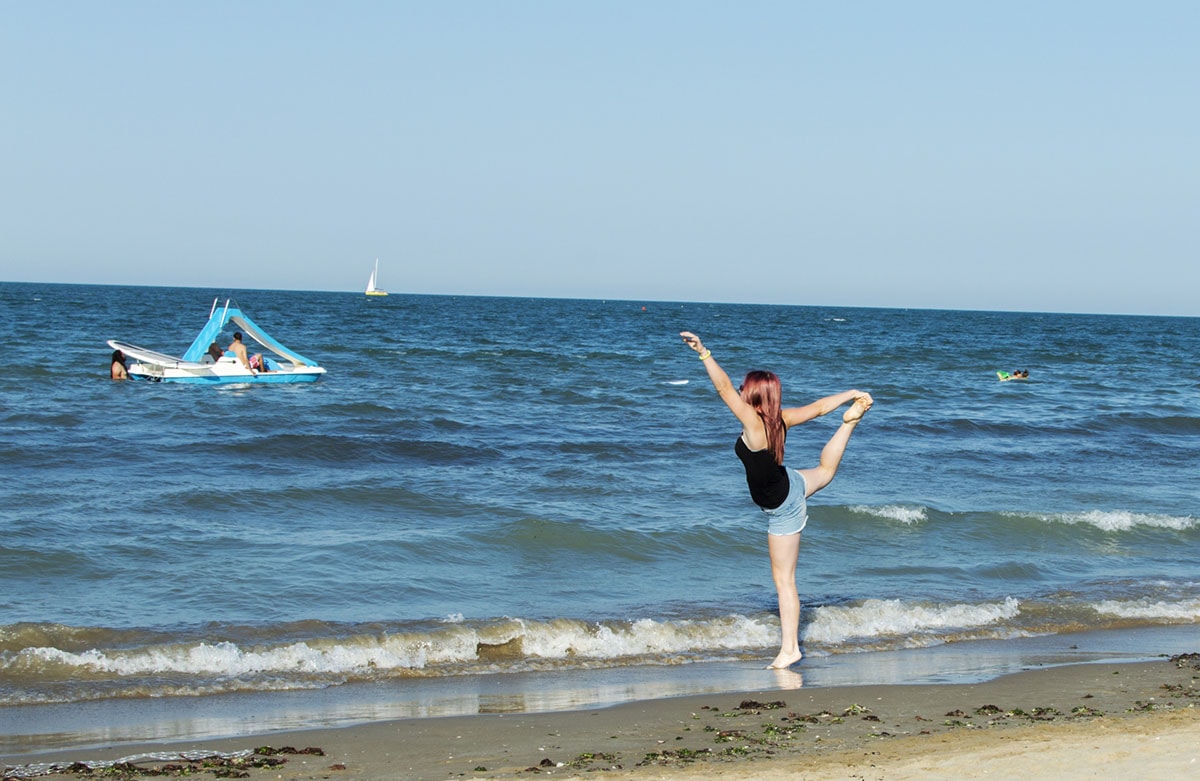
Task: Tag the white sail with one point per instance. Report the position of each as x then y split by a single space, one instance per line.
371 289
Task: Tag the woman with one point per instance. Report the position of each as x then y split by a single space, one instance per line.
118 370
778 491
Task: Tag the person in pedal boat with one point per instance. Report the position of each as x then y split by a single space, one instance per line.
254 364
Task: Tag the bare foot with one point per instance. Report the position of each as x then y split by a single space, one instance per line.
857 409
785 660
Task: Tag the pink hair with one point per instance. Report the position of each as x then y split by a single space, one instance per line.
763 391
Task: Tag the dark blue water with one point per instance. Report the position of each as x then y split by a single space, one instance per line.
489 485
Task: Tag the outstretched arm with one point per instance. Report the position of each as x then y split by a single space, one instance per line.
720 380
793 416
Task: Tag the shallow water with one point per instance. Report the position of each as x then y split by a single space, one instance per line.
39 729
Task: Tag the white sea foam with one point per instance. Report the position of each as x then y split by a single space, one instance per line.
570 639
676 382
1147 609
222 658
503 643
559 640
1122 520
510 644
894 512
877 618
228 659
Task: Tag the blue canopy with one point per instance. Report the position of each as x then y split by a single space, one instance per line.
216 323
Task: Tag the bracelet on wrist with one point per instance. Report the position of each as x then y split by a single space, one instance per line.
706 355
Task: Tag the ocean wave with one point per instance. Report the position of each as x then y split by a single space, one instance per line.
570 639
905 514
1117 520
1173 425
1104 520
226 659
307 655
451 644
1155 610
455 646
874 619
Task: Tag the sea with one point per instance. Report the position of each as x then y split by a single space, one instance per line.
513 504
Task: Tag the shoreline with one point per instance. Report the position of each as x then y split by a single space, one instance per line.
1075 719
27 731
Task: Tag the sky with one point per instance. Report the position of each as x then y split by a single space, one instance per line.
1027 156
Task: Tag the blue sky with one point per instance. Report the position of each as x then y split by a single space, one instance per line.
1018 155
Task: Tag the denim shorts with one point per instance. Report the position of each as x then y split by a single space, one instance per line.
791 516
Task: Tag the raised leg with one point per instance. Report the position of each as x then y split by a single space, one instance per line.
821 475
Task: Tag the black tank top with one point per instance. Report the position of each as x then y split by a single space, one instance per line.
767 480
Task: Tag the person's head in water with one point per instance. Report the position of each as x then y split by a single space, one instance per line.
763 391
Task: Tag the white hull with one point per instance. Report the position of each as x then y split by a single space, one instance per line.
224 371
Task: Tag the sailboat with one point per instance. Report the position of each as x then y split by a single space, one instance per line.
371 289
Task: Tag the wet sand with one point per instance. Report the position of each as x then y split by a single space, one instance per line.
1079 721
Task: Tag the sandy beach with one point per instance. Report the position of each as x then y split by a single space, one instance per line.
1072 722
